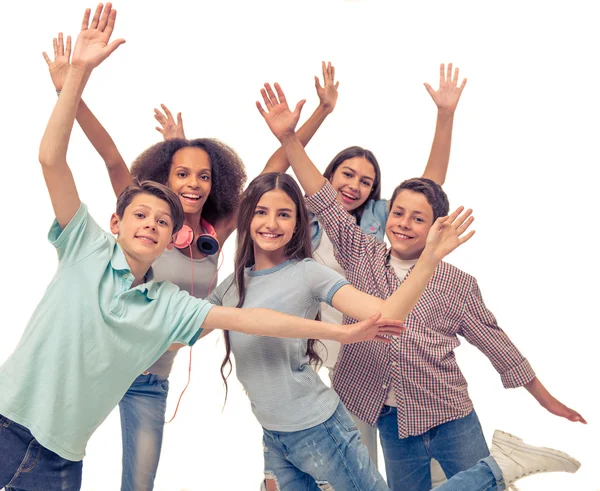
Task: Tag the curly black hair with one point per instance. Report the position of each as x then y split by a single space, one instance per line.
228 172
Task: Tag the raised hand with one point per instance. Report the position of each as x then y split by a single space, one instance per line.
60 66
374 329
169 128
91 47
277 113
328 94
447 96
447 233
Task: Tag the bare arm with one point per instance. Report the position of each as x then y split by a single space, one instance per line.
550 403
328 95
93 129
266 322
446 99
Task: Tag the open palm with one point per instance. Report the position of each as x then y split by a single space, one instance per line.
447 233
59 67
277 114
91 47
447 96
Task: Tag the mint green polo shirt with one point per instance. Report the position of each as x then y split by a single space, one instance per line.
90 336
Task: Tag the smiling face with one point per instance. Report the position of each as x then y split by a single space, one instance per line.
409 221
273 224
190 178
353 180
145 229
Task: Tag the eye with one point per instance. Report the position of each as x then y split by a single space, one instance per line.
419 220
164 223
181 175
205 177
259 212
140 215
397 213
347 174
285 214
367 183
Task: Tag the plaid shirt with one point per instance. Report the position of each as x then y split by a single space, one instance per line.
429 387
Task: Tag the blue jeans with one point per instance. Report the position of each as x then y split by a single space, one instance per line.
326 457
483 476
457 445
142 411
26 465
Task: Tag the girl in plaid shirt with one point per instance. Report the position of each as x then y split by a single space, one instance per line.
412 389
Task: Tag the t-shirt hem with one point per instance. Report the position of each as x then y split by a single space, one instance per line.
324 416
41 438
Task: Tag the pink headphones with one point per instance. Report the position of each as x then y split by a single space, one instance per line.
207 243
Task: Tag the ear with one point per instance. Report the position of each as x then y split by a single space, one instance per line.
171 244
115 221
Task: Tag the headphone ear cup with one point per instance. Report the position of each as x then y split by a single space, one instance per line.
184 237
207 244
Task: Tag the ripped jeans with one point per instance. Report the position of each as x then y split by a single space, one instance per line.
327 457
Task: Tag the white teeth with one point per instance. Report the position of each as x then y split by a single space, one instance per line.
270 236
402 236
191 196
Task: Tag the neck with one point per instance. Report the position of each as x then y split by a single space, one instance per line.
138 268
192 220
268 259
406 257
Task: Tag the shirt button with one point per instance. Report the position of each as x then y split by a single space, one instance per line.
126 275
385 386
394 363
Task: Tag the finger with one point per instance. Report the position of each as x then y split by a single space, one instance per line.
110 25
298 109
96 18
160 130
262 112
462 240
179 120
394 331
106 13
337 84
159 113
429 89
160 119
272 97
48 61
324 70
464 82
463 228
68 50
461 219
61 45
455 79
442 72
167 112
280 94
332 73
86 19
265 97
114 45
455 213
449 73
55 46
318 84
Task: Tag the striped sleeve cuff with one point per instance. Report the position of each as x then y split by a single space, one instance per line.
518 376
320 201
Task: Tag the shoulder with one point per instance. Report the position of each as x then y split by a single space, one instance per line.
449 277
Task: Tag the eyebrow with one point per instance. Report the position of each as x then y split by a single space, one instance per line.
183 167
146 207
278 209
352 170
414 212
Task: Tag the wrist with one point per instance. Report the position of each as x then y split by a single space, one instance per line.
430 257
325 109
445 114
288 137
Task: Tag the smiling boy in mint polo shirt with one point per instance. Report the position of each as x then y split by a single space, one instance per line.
103 319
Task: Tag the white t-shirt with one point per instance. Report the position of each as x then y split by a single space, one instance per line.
401 268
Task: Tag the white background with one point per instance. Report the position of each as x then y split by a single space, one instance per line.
524 156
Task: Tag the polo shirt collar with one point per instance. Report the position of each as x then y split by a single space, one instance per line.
119 263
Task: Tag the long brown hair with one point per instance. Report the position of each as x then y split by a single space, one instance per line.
299 247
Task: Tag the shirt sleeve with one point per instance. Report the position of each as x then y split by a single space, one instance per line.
81 237
322 281
374 218
186 314
217 295
351 246
479 327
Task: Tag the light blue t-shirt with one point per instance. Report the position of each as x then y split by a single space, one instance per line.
286 394
90 336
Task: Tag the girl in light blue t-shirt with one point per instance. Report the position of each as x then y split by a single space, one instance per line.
309 438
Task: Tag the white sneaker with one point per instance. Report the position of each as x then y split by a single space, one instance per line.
516 459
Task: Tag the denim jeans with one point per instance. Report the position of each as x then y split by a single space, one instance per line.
26 465
329 456
457 445
142 411
483 476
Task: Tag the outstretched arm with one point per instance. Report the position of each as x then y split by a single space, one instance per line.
328 94
117 169
91 49
266 322
550 403
446 99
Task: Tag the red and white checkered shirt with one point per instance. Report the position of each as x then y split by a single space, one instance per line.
428 385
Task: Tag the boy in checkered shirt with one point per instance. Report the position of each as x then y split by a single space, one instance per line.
412 389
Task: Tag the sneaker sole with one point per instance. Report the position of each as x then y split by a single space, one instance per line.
516 443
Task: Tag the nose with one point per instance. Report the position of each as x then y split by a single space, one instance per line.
193 181
150 224
404 222
271 222
354 184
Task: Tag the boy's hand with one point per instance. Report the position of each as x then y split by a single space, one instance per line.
170 129
447 96
328 94
447 233
278 116
373 329
91 47
60 66
557 408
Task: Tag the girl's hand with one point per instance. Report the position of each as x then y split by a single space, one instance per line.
170 129
91 47
328 94
557 408
277 114
373 329
60 66
446 234
447 96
